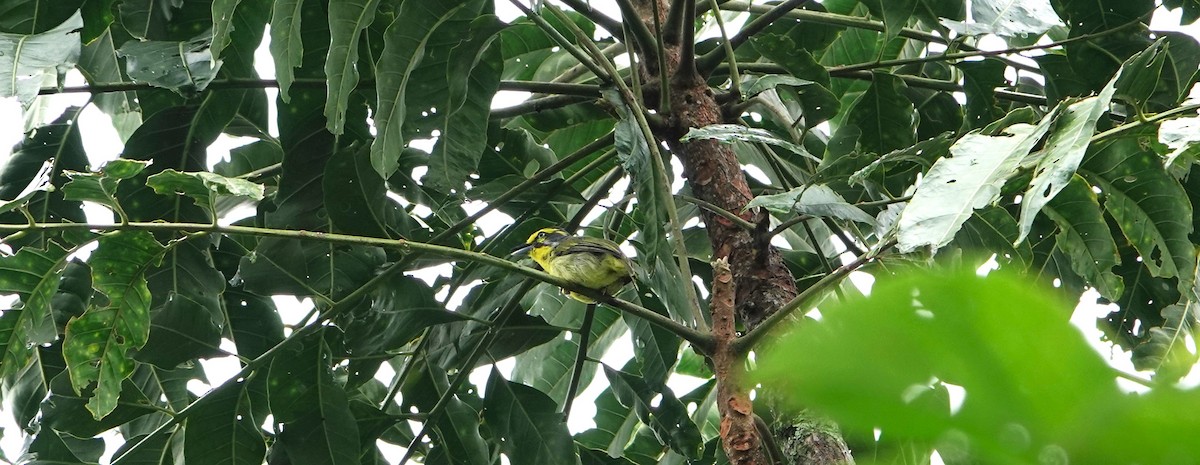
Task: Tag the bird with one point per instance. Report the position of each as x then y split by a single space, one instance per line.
590 262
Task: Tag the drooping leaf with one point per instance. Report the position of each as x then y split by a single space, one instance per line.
26 58
994 230
970 179
980 80
884 115
1063 152
225 413
1166 349
100 65
318 426
347 20
894 14
669 420
97 345
404 45
1084 236
459 146
287 44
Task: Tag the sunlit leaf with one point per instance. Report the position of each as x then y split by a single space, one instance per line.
26 58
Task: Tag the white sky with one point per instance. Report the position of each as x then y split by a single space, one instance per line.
103 144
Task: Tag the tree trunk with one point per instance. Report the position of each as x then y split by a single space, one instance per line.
762 281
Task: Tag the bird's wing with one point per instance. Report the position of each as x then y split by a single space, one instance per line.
589 247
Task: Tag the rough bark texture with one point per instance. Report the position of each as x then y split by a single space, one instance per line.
739 437
762 281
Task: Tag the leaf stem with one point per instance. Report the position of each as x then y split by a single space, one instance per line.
562 41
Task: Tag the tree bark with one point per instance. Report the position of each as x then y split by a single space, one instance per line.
762 282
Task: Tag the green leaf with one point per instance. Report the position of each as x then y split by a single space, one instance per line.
894 13
1062 153
958 329
1084 236
885 116
33 275
347 20
222 16
459 438
40 182
970 179
1191 9
185 67
32 17
1165 351
818 102
225 413
101 186
97 345
1007 18
527 423
669 420
980 80
357 198
1149 206
100 65
400 311
814 200
318 427
548 367
25 59
203 186
459 147
993 230
287 46
404 45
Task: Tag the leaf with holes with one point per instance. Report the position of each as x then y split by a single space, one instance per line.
97 344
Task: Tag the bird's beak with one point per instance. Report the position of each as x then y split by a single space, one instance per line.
521 251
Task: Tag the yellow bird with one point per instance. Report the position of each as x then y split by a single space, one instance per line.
591 262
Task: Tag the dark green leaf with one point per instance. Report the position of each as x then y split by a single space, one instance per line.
224 413
527 422
981 78
1084 237
184 67
885 116
33 275
669 420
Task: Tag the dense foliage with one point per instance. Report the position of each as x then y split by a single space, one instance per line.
853 136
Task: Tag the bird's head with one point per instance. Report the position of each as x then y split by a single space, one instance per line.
544 238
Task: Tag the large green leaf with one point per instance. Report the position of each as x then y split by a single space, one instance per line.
97 344
980 80
357 198
318 427
1149 206
225 415
1084 236
203 187
100 65
32 17
548 367
884 115
970 179
33 275
26 58
530 429
456 155
347 20
993 230
894 13
669 419
404 46
864 360
287 44
1166 348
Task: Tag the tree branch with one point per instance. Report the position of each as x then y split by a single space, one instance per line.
674 24
745 343
403 245
739 435
646 41
707 63
610 25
